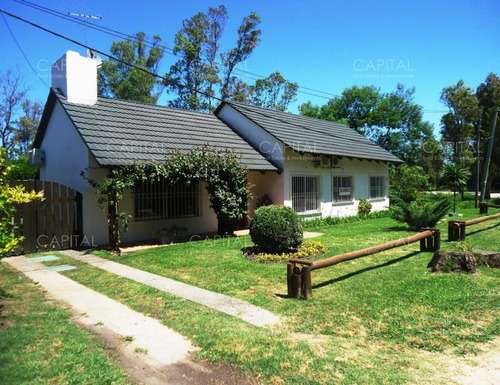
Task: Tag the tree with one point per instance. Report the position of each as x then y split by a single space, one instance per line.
457 126
356 108
248 40
125 82
488 95
407 182
12 94
273 92
455 177
189 77
27 125
197 75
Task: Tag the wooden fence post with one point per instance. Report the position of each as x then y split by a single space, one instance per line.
437 239
297 282
307 283
289 278
462 231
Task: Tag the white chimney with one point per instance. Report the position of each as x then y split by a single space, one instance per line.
76 77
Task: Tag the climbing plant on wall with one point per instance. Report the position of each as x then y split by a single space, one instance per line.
224 176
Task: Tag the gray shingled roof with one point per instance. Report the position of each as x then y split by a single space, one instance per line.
311 135
120 132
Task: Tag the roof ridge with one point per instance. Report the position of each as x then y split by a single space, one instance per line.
144 104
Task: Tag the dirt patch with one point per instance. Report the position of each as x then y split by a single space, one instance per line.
142 369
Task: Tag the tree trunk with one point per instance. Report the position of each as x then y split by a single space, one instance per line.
113 225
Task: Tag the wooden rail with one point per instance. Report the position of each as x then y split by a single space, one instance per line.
456 229
299 281
483 207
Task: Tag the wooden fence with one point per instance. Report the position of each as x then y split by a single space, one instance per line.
456 229
52 224
483 207
299 280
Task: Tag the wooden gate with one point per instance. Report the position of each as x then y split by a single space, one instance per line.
52 224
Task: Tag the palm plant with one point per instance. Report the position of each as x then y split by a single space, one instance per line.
455 177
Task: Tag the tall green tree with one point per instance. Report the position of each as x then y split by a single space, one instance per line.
488 95
457 126
125 82
248 40
203 70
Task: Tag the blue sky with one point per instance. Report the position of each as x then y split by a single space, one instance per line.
323 45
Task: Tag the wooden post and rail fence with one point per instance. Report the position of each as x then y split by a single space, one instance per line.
299 270
483 207
456 229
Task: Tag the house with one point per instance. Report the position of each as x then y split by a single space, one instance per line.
317 167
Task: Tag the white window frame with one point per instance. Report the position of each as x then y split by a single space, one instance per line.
318 192
351 196
162 200
382 186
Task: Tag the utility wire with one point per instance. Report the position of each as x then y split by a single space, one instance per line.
241 105
163 78
22 52
170 51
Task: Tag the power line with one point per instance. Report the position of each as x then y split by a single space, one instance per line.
107 55
22 52
163 78
170 51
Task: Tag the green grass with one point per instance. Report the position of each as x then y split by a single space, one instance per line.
371 320
374 320
39 344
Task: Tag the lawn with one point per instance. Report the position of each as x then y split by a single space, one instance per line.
379 319
40 345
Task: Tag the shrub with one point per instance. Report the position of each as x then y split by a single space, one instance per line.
330 221
275 229
422 213
364 208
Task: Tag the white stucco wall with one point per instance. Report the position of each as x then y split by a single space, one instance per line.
65 152
270 182
360 170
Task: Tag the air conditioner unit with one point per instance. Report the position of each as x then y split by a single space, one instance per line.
36 157
326 161
335 162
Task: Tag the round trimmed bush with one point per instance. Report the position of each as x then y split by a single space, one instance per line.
275 229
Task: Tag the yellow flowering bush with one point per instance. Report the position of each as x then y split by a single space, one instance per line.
10 197
307 250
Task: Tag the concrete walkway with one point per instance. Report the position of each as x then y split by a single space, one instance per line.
232 306
160 343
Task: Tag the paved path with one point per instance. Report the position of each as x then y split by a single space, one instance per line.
232 306
161 343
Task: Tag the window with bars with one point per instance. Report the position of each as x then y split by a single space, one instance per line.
342 189
162 200
305 193
376 187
